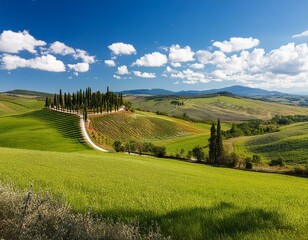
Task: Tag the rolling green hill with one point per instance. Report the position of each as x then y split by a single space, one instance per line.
174 134
290 144
10 105
223 107
42 130
29 93
189 201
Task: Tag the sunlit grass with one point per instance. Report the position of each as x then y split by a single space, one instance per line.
188 200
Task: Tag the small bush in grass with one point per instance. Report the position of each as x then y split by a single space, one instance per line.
232 160
117 145
256 159
277 162
159 151
198 153
31 216
248 163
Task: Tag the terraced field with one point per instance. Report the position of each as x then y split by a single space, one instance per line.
174 134
223 107
290 144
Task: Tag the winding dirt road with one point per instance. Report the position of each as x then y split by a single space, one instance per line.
83 128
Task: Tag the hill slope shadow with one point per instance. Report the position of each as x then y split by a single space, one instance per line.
221 221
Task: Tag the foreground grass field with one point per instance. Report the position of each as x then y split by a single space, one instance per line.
223 107
289 144
189 201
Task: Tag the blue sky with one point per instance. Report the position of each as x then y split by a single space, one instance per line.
176 45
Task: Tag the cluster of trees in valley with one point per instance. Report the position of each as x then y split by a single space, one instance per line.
139 148
85 100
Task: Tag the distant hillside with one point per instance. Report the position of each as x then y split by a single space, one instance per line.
29 93
236 90
227 108
289 144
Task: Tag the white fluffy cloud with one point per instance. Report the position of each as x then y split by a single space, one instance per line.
236 44
84 56
79 67
178 54
46 63
14 42
144 74
284 67
154 59
190 77
303 34
116 76
122 70
60 48
197 66
170 70
110 63
120 48
176 64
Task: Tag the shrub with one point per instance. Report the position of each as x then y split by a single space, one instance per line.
147 147
31 216
232 160
277 162
117 145
248 163
256 158
198 153
159 151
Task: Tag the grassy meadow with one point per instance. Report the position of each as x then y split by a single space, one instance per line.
289 144
223 107
189 201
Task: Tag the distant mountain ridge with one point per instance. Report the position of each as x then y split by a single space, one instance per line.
236 90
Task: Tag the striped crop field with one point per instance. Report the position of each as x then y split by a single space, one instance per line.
226 108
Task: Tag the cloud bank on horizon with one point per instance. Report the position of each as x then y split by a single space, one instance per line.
238 59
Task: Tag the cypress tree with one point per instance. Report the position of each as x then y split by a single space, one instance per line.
65 101
55 100
85 113
61 99
212 145
46 102
219 145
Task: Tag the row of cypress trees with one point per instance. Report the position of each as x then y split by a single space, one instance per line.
85 100
216 149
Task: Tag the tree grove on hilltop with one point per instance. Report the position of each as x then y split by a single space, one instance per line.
86 100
